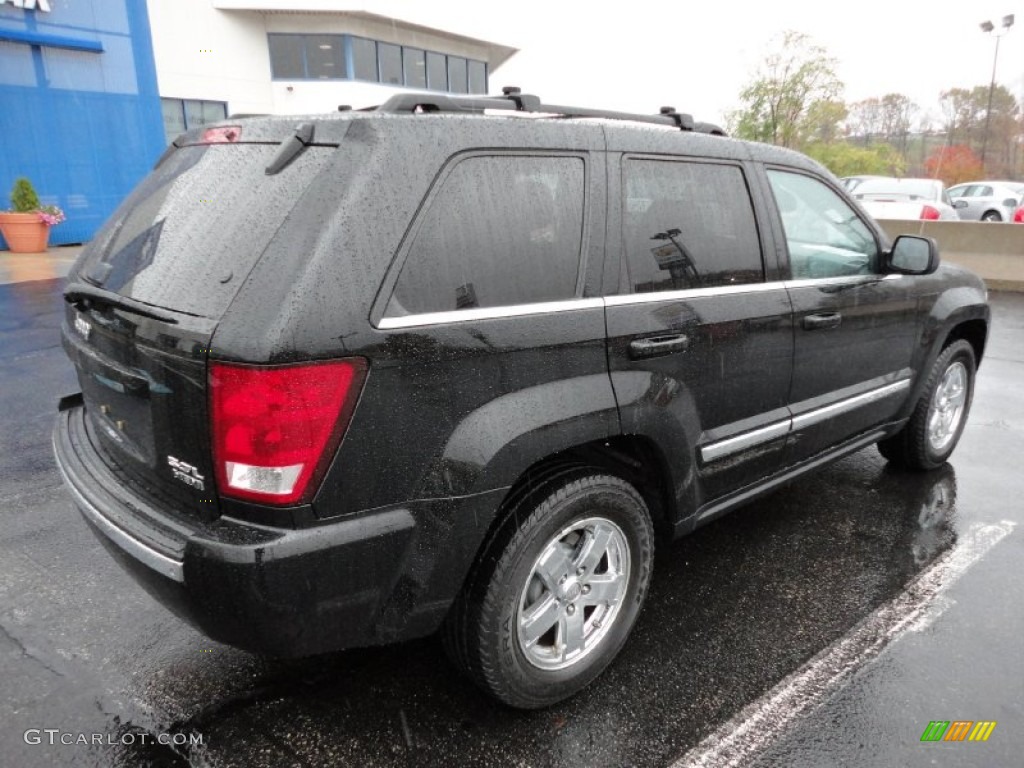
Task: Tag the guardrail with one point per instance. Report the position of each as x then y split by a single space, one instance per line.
993 250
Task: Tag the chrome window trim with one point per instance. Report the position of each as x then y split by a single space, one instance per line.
828 411
847 280
730 445
692 293
571 305
488 313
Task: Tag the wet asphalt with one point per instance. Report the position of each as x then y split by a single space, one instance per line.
734 609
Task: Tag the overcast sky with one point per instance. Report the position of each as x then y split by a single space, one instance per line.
639 55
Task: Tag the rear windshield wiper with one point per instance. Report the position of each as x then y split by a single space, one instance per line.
84 296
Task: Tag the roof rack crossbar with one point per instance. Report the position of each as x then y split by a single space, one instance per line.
513 100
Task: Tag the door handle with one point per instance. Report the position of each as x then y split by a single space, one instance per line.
817 322
654 346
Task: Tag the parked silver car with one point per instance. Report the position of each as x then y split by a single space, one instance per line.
987 200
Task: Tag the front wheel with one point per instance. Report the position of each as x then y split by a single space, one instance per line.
557 593
938 420
991 216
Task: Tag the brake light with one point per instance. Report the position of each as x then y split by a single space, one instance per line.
1018 215
930 213
276 428
225 134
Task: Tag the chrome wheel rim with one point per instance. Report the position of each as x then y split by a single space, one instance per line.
947 407
573 594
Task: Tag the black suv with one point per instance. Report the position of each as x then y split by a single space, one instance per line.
453 363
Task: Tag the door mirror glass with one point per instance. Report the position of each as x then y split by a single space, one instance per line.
912 255
1010 202
960 203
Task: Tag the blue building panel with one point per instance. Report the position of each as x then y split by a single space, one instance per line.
79 107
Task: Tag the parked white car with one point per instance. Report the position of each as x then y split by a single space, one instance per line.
890 198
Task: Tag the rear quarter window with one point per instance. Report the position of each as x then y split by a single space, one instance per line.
501 231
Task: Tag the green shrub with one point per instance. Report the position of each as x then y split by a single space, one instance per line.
23 197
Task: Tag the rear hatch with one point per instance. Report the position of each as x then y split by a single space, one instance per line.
148 292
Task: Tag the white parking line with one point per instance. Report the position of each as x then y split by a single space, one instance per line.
760 723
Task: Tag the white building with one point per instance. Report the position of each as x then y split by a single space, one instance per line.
220 57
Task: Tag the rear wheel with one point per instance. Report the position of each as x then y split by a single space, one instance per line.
938 420
556 595
991 216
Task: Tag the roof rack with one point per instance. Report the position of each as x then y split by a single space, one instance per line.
514 100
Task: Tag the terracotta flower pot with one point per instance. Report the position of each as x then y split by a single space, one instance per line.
24 232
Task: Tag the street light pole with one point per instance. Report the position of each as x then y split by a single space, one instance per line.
989 28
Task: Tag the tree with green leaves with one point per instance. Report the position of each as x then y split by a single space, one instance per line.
795 95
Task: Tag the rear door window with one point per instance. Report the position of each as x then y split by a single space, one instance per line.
502 230
688 225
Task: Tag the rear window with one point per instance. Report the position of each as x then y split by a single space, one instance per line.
190 232
902 189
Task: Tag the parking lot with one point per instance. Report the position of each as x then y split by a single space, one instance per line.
827 624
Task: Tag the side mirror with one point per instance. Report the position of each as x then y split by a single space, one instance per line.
1011 202
912 255
958 203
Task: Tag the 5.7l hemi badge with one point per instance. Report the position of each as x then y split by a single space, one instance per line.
185 472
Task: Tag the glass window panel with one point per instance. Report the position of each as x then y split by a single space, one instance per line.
457 82
390 59
519 245
286 56
364 59
415 66
688 225
214 111
824 235
193 113
437 72
477 77
174 118
325 57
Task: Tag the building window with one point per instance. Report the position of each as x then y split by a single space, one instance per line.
457 75
182 115
364 59
437 72
415 67
307 57
287 56
323 57
389 61
477 77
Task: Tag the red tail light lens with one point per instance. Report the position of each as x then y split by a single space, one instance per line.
276 428
225 134
930 213
1018 216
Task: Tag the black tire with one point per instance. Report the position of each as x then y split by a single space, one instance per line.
482 631
914 447
991 216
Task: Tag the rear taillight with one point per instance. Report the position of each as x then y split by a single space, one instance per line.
930 213
225 134
276 428
1018 215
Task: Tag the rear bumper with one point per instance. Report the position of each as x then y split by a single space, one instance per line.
374 578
